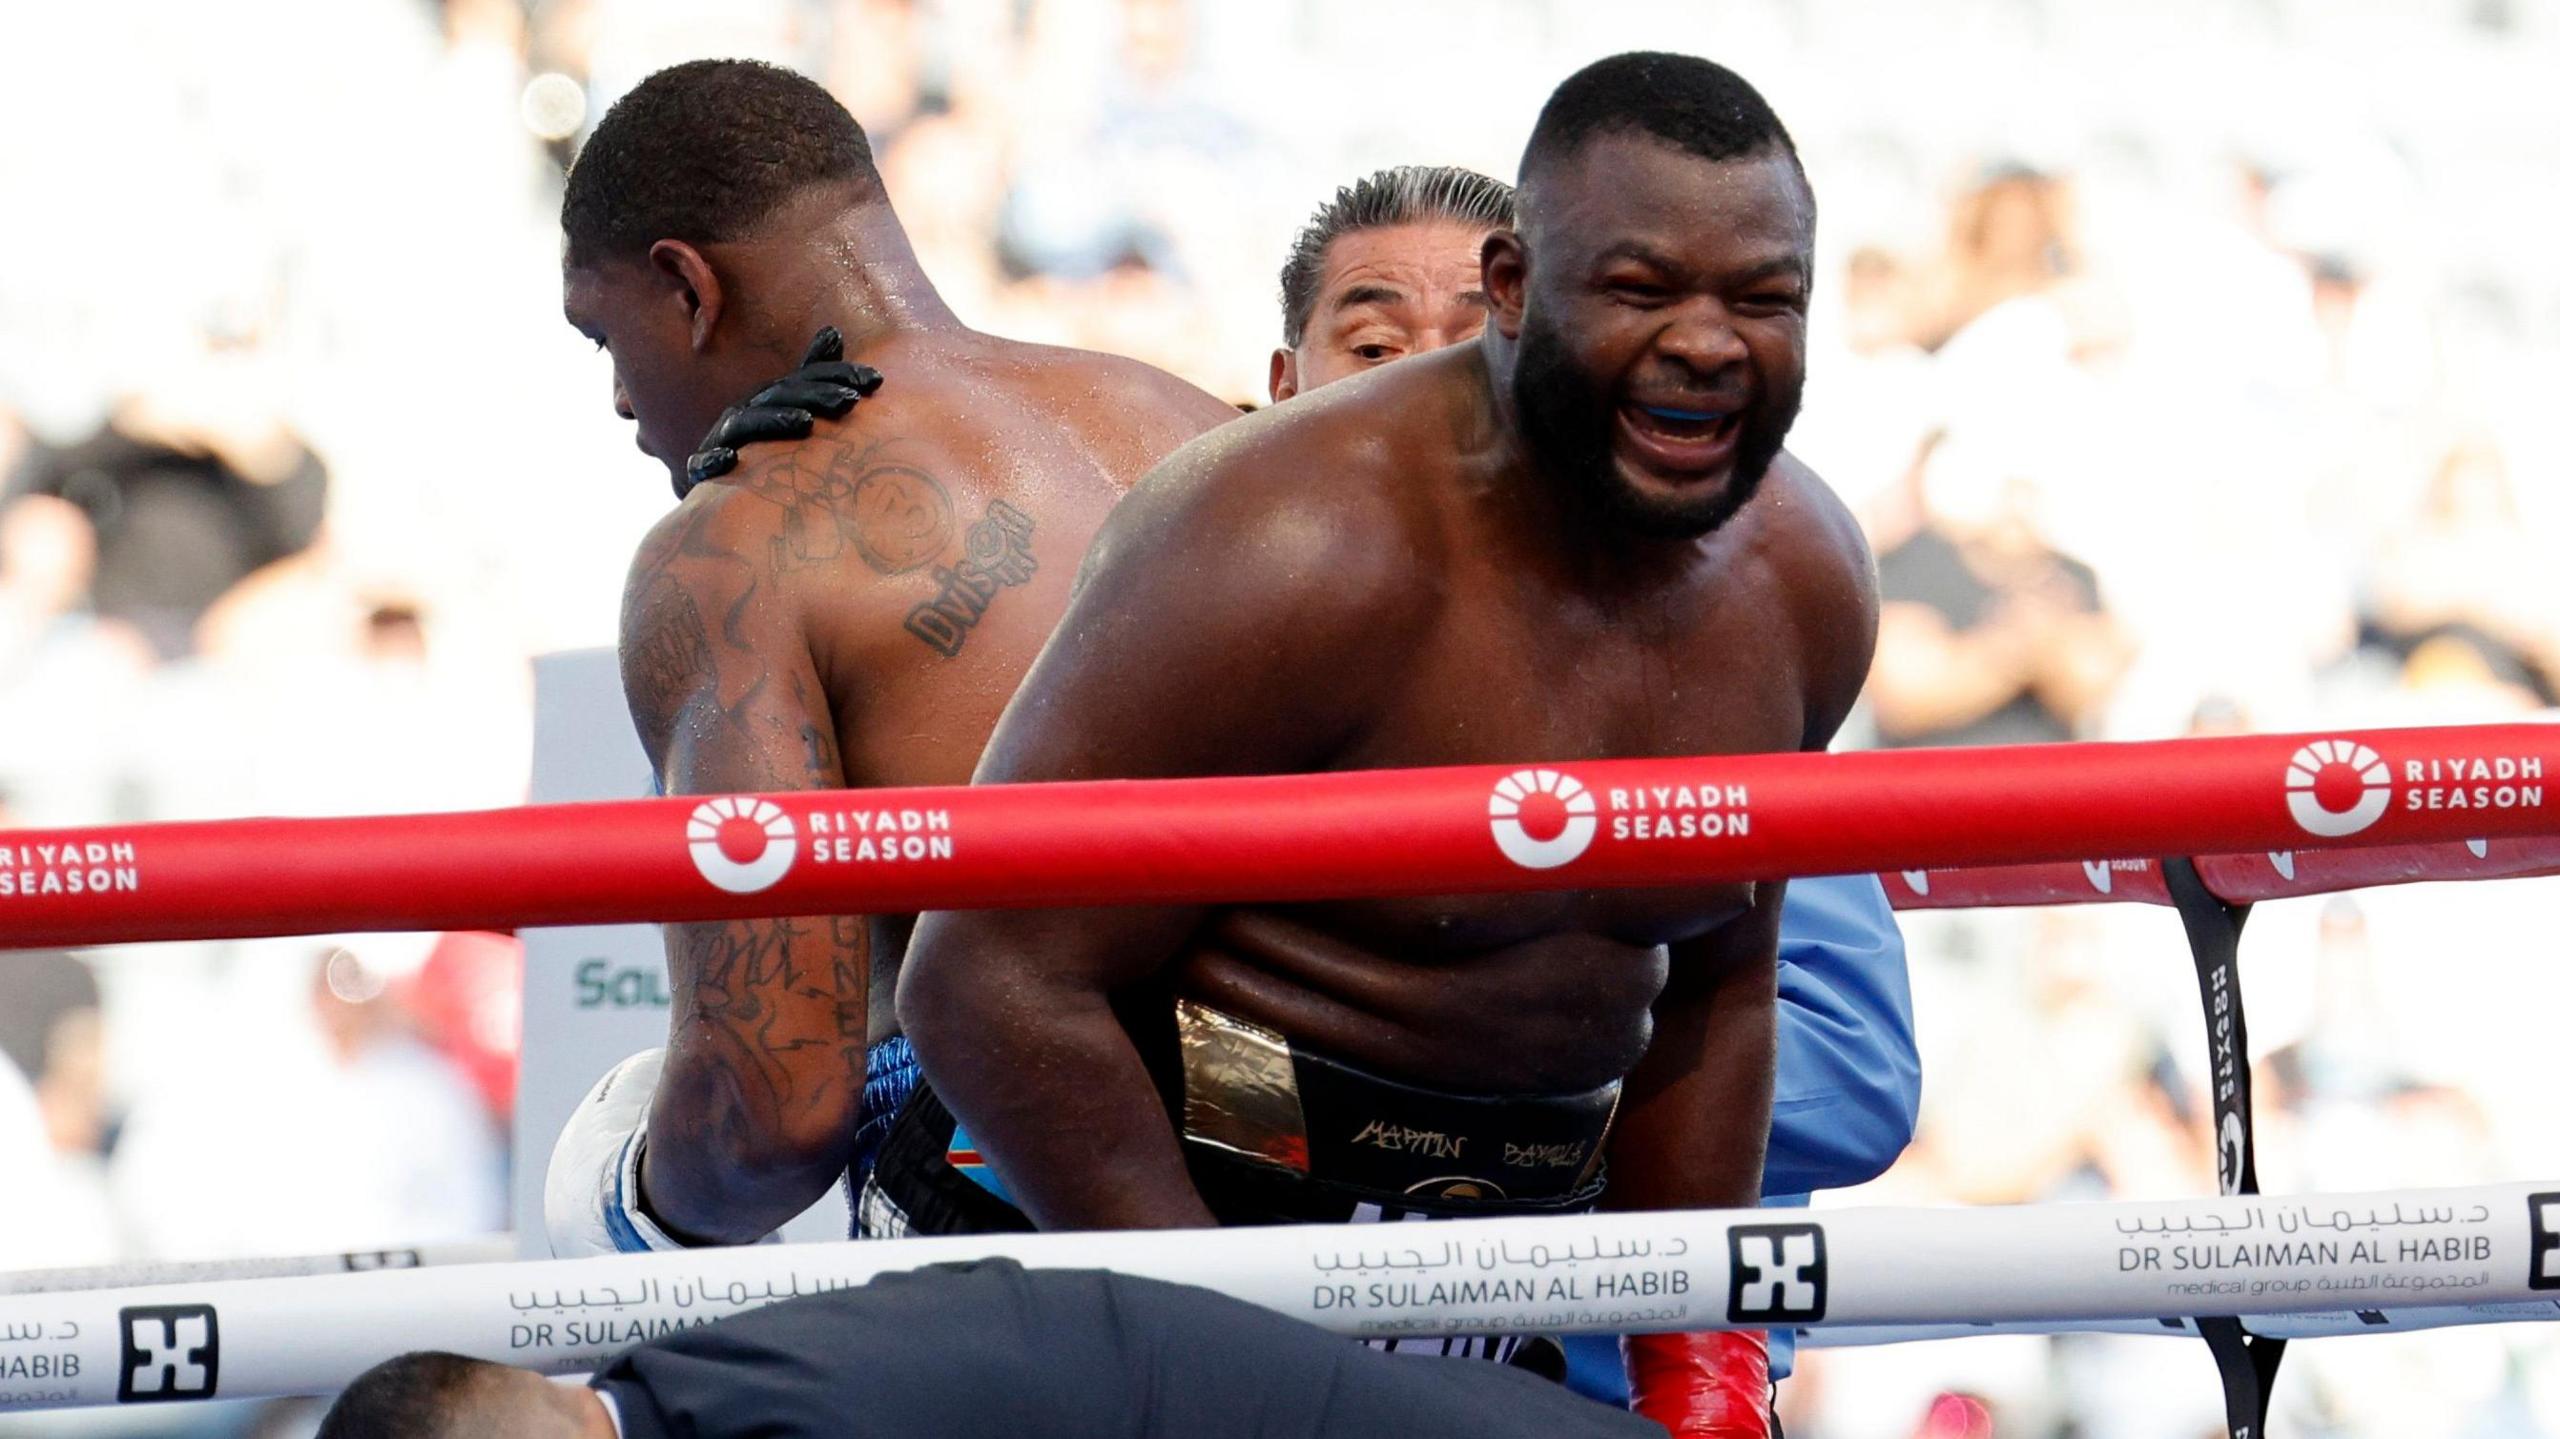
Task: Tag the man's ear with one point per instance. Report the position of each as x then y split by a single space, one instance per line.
1284 374
693 284
1506 280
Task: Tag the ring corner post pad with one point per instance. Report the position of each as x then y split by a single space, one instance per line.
2247 1362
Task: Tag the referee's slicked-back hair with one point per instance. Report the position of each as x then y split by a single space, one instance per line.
702 152
425 1395
1404 195
1696 104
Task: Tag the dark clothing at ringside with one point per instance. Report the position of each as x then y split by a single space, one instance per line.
993 1348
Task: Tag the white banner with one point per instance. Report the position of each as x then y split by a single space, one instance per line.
2061 1263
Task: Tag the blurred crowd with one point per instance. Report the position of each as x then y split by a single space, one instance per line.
2188 363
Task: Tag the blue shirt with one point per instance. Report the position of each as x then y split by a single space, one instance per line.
1848 1072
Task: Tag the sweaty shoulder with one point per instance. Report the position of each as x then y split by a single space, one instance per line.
1116 380
1264 581
1332 493
1125 413
1829 577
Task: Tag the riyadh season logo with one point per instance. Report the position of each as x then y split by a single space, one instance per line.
742 845
1556 804
2324 760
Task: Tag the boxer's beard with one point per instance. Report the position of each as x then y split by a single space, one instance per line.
1569 417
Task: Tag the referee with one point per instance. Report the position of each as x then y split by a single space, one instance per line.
984 1348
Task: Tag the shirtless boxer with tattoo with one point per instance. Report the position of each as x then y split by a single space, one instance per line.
854 609
1574 538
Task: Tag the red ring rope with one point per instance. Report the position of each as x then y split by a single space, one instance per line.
1401 832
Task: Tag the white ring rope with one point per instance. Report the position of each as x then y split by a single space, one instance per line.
2478 1248
494 1249
2326 1324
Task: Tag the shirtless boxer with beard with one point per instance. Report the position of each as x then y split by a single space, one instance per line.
1576 538
1389 268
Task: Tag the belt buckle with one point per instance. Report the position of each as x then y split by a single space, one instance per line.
1240 1089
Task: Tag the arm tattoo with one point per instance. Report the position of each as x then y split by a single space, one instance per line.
670 658
672 673
739 982
770 1014
822 752
853 987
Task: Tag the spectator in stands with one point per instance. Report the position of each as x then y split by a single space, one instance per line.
342 1131
68 678
434 1174
2007 236
24 1242
51 1037
2466 561
1988 635
189 488
49 1030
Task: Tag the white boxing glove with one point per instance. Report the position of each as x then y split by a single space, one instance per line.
591 1194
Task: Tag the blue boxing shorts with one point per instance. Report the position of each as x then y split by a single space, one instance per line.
889 1074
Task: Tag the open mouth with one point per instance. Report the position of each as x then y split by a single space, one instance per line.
1681 438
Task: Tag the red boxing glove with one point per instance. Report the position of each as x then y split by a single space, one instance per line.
1701 1386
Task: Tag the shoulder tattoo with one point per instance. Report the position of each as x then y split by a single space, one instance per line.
868 500
996 555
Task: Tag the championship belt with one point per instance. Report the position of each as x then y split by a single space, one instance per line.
1251 1099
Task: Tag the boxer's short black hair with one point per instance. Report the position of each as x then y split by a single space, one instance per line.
1404 195
1696 104
703 152
425 1395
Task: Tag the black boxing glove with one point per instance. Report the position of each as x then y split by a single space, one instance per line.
825 384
